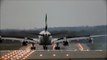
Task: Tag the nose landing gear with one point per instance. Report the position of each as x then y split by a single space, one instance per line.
33 47
45 47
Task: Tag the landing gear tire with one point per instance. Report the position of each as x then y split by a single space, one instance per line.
45 47
57 48
24 43
0 41
33 48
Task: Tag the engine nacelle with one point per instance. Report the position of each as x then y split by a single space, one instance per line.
90 40
0 40
65 43
24 43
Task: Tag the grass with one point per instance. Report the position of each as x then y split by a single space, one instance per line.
10 46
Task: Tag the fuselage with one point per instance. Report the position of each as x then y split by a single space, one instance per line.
45 38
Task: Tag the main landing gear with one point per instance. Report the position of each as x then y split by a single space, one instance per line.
57 47
65 43
33 47
90 40
45 47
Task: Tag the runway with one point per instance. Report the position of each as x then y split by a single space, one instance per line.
71 47
74 50
67 55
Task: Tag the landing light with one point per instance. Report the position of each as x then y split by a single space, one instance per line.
8 54
5 55
8 57
14 56
54 54
2 57
67 54
5 58
41 55
12 59
24 58
17 57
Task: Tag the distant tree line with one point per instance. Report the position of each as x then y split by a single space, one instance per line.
57 31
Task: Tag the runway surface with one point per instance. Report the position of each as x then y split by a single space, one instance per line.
71 47
74 50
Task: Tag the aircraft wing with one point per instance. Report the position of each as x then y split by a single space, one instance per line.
77 38
31 40
93 36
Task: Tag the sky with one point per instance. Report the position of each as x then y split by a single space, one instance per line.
30 14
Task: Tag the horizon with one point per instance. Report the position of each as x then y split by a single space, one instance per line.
53 27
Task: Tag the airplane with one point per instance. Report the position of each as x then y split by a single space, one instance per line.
45 39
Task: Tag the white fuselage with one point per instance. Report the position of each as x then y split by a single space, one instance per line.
45 38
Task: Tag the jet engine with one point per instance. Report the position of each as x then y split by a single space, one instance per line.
65 43
0 40
24 43
90 40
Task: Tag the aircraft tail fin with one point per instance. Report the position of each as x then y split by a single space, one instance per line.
46 27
